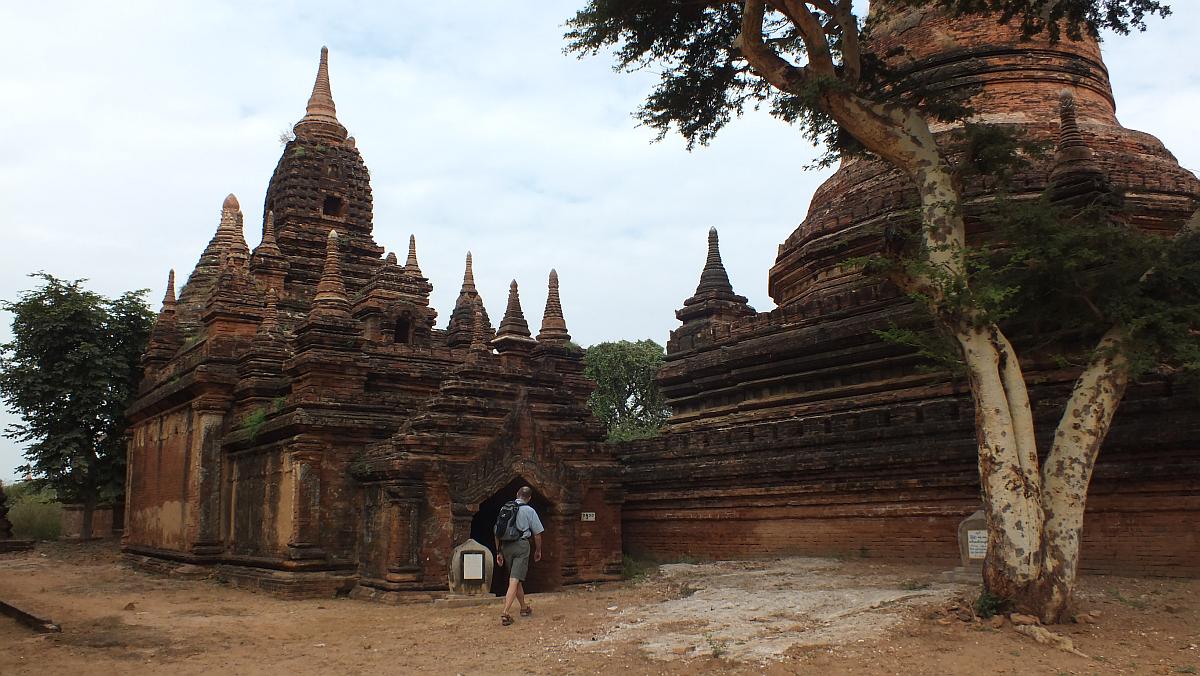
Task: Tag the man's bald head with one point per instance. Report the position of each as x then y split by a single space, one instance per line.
525 493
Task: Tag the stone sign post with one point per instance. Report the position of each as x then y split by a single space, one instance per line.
972 541
471 569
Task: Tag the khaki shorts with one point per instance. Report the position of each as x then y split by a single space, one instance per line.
516 557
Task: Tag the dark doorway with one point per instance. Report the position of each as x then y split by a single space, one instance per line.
542 575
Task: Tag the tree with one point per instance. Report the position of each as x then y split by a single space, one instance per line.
626 398
70 371
811 62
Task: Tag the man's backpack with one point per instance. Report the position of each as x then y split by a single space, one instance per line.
506 522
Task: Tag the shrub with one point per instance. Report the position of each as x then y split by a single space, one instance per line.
35 514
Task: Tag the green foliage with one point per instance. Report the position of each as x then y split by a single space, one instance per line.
254 422
1076 17
1060 276
35 513
705 82
988 605
626 398
70 371
636 570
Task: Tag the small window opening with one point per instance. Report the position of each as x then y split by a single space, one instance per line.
333 206
332 170
403 330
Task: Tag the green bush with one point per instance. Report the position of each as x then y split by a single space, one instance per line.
35 515
636 569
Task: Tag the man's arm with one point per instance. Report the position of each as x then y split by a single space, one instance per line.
537 547
499 553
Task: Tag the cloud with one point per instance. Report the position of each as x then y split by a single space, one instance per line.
126 124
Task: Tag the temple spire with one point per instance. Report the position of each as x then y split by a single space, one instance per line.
468 285
169 296
1076 178
554 326
1071 146
320 117
513 334
164 335
331 290
410 266
478 338
714 277
269 245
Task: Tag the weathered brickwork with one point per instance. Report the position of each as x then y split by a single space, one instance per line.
304 429
799 431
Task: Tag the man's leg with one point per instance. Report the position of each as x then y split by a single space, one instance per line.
514 590
521 594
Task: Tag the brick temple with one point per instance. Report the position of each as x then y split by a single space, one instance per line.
304 428
797 431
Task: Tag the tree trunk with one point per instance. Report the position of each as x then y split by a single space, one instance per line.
85 525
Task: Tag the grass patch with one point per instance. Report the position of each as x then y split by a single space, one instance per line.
636 570
35 515
915 585
1116 595
989 605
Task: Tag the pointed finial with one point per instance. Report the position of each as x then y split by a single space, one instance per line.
1071 146
478 339
468 276
514 323
270 322
320 117
713 277
231 202
169 296
554 326
331 290
410 265
268 246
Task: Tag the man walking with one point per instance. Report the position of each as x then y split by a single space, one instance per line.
526 526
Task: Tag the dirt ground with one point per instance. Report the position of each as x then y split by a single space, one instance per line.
753 617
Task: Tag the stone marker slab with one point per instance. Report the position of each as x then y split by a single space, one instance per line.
471 567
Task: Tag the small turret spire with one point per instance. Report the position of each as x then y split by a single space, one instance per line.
169 296
468 284
714 277
410 266
478 337
554 326
331 290
268 244
1071 146
513 335
320 118
270 322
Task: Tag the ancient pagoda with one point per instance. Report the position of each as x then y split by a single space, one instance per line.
305 427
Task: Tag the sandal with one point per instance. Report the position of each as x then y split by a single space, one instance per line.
526 611
506 619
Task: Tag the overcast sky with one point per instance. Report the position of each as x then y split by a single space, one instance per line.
126 123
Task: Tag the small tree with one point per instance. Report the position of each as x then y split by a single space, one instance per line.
70 372
810 61
626 399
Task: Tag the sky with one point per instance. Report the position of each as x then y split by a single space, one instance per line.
126 123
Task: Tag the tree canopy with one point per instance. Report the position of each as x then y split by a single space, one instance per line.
70 371
706 79
626 398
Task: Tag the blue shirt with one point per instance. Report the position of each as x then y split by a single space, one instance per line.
527 520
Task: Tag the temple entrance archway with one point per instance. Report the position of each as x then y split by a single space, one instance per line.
543 575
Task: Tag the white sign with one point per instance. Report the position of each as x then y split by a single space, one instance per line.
976 544
588 516
472 566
